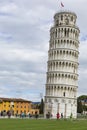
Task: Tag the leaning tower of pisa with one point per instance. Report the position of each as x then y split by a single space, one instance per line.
62 66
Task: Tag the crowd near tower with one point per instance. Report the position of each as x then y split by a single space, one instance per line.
62 66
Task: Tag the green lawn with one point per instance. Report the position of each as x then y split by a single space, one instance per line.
42 124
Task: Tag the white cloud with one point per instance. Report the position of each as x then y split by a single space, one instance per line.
8 8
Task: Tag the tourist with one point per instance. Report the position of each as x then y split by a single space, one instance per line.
61 115
58 115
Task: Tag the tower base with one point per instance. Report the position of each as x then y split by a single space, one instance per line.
66 107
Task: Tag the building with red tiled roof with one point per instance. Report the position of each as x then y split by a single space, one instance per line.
16 106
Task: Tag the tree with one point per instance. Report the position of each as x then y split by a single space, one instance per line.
82 97
79 106
42 106
81 103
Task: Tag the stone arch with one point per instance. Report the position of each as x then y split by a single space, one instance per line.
54 52
68 88
63 63
64 41
67 41
56 75
62 30
58 87
66 63
58 41
56 63
71 88
65 32
65 75
60 63
69 64
72 77
59 30
62 75
54 87
71 30
73 65
70 52
70 41
73 43
57 52
64 52
61 17
61 87
51 53
65 88
75 54
53 63
59 75
67 52
61 41
68 32
56 33
69 76
71 18
60 52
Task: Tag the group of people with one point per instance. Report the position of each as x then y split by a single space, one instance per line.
22 115
59 116
48 115
4 113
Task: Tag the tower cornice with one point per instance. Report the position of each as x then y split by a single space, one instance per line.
63 61
61 72
65 49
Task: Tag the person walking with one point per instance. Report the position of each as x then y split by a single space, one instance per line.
58 115
62 115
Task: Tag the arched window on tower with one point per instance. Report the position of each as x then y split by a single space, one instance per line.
56 33
68 33
61 17
71 18
65 32
57 22
64 94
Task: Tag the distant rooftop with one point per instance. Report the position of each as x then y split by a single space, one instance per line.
14 99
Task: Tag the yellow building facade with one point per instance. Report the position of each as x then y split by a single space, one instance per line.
16 106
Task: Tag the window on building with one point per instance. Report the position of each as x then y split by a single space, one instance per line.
72 18
20 112
24 111
12 105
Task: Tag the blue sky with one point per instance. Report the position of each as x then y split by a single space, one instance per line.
24 44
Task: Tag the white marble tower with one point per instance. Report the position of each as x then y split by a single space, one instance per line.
62 66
